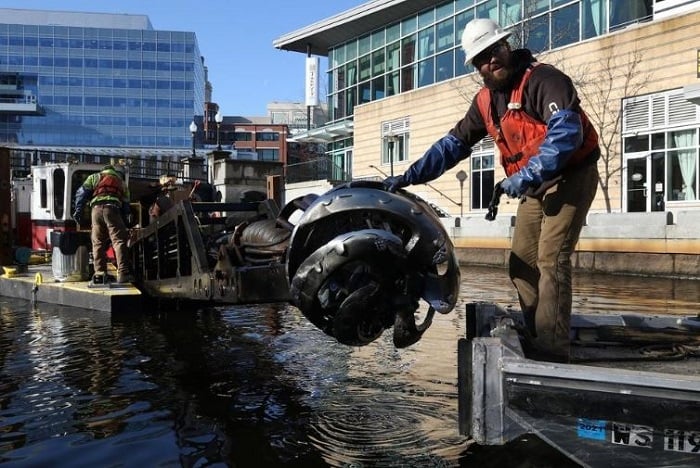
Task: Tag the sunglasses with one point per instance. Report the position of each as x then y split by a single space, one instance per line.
485 56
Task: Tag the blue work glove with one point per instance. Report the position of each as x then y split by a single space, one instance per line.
393 183
513 186
78 217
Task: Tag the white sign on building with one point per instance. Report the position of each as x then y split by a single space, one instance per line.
312 64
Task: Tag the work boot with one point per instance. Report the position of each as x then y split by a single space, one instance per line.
98 278
125 278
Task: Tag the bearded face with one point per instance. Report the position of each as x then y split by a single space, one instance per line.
495 66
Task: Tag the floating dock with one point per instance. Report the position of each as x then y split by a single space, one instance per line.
630 397
38 284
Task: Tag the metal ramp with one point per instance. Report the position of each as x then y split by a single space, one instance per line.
611 411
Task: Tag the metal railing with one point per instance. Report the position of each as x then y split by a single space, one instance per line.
21 161
316 169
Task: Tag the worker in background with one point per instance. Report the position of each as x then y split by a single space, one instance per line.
108 197
549 151
163 200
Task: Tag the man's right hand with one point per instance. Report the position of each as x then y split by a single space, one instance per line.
393 183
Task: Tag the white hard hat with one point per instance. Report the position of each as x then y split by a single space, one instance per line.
480 34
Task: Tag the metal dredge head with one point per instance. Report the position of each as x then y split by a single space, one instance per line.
361 259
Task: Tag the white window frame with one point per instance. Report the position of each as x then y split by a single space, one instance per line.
653 114
395 133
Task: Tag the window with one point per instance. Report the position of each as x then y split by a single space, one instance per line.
683 165
268 154
392 56
267 136
445 35
444 66
378 62
593 17
59 186
377 39
488 10
395 138
43 194
426 72
510 12
408 50
624 12
565 26
364 92
661 151
482 174
426 43
365 70
408 78
393 33
536 32
378 88
350 101
351 73
394 149
392 84
364 45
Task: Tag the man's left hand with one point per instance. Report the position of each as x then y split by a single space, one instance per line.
513 186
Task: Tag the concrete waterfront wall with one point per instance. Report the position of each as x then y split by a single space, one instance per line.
664 243
654 244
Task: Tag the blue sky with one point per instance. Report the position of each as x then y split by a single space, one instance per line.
234 37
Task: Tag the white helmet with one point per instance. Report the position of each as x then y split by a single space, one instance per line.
480 34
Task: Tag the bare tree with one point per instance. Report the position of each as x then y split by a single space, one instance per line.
601 87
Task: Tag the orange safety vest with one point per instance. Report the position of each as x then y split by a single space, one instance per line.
109 185
520 135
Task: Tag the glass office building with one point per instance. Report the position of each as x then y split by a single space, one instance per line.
425 47
119 83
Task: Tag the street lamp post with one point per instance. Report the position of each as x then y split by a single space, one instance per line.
193 131
461 177
219 117
391 139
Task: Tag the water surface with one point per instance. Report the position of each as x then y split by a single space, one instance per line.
258 385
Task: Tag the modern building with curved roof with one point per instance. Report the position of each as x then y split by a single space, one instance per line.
396 78
396 82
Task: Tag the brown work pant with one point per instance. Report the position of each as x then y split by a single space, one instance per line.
108 224
547 229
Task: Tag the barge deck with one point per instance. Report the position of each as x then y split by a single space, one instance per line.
38 284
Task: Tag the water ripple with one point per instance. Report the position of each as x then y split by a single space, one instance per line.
386 430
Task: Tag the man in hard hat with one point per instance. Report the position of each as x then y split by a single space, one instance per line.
108 197
549 151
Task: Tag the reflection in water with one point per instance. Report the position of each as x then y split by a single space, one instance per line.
259 385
